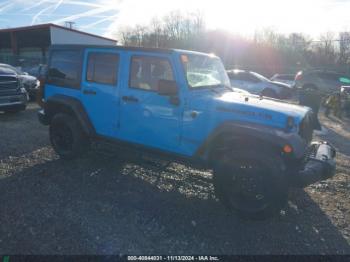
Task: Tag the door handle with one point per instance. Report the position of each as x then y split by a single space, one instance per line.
130 99
89 92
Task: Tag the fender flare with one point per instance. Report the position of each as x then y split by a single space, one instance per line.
257 134
59 103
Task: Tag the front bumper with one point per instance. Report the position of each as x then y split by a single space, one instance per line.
13 101
32 89
319 164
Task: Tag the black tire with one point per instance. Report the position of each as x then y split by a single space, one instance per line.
270 93
67 137
253 183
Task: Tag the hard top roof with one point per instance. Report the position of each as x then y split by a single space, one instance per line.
129 48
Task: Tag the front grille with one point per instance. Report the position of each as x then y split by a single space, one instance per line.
306 127
8 85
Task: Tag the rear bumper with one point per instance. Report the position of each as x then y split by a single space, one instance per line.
319 164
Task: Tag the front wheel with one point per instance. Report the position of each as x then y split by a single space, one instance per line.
251 183
67 137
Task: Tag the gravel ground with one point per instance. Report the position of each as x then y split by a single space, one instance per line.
103 204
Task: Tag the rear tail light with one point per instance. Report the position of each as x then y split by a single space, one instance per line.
299 76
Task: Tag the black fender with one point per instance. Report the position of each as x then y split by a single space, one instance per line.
251 136
66 104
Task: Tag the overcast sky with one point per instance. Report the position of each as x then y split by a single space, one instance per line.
105 16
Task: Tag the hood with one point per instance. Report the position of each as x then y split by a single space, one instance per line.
27 78
260 110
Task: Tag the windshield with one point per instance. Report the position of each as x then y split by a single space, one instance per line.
204 71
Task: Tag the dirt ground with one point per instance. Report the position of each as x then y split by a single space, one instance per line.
104 204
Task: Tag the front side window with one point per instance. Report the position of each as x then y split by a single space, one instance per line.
145 72
102 68
64 69
247 77
204 71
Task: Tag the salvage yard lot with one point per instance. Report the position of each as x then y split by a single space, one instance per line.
106 204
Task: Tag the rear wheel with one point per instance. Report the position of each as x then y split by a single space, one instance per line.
67 137
251 183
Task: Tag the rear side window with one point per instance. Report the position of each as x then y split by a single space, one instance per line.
102 68
65 68
145 72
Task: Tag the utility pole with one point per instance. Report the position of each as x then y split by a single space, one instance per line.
69 24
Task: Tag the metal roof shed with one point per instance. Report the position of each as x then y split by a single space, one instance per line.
34 41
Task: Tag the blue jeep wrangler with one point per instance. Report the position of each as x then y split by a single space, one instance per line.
179 105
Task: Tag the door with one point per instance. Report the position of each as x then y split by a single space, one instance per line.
100 92
148 118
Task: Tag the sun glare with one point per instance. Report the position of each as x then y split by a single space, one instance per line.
243 17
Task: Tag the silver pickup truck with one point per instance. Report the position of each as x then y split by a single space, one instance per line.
13 97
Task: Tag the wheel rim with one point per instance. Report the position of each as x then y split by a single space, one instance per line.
246 187
62 138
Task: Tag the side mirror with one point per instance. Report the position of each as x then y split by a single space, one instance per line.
167 88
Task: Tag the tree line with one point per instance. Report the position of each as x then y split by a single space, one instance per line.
267 51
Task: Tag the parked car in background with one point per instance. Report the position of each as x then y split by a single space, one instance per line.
257 84
284 78
322 80
30 83
13 97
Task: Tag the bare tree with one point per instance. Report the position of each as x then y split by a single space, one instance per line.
156 29
344 48
269 51
326 49
172 25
